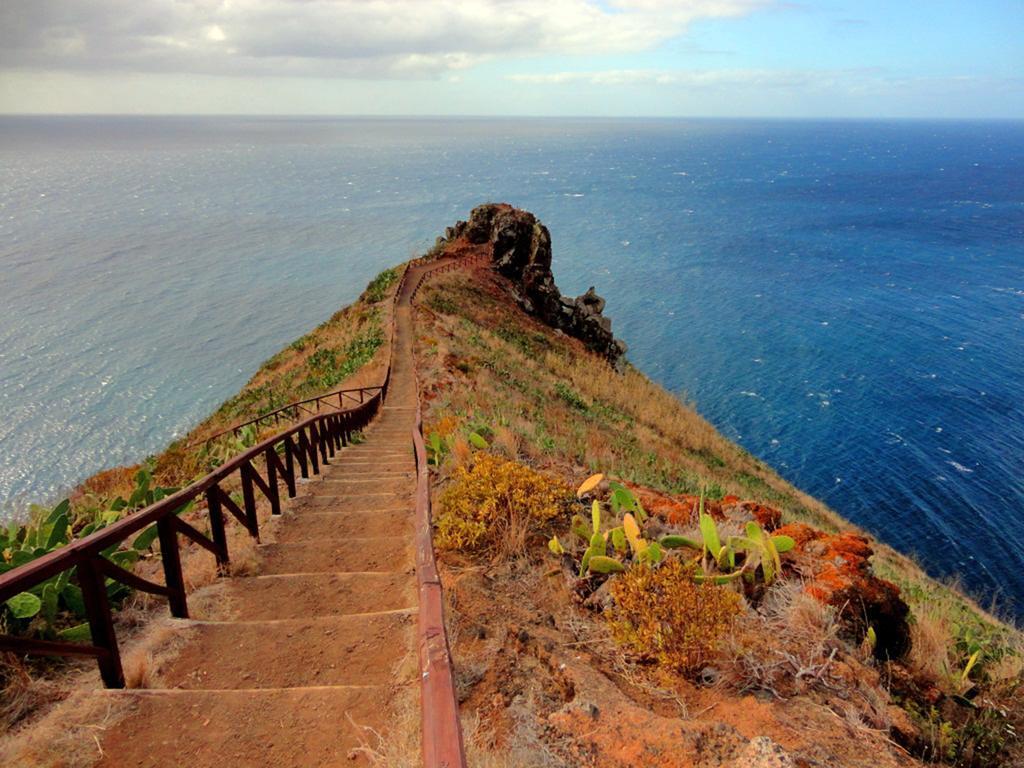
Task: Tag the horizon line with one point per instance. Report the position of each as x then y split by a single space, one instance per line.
469 116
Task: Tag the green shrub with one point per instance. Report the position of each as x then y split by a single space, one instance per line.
55 607
378 288
570 397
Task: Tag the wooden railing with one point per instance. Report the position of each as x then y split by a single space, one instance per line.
295 410
298 451
441 731
301 448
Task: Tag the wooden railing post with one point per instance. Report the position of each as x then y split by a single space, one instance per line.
311 448
275 493
303 453
220 539
172 566
329 436
101 623
249 498
318 442
289 463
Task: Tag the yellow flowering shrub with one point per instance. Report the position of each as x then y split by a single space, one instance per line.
446 425
485 496
661 613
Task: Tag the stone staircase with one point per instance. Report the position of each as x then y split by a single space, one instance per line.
293 665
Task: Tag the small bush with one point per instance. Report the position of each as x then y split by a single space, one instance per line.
328 367
378 287
492 495
662 614
442 304
570 397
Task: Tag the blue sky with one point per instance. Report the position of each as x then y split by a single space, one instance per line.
515 57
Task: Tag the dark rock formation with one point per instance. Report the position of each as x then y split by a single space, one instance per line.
521 251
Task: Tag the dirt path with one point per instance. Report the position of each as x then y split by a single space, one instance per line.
320 645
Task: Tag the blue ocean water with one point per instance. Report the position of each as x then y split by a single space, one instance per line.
844 299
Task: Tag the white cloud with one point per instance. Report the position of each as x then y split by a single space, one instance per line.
215 33
359 38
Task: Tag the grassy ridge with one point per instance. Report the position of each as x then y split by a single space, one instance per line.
540 396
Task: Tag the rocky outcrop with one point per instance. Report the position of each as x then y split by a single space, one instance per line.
521 251
836 570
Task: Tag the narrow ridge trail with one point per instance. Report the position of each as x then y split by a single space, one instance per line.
293 665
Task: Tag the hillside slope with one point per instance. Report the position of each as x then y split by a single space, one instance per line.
853 657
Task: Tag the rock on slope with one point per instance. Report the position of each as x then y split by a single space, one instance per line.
521 251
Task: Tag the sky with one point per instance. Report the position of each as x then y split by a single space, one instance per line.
714 58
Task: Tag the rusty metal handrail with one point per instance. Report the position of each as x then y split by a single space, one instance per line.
441 732
441 741
308 443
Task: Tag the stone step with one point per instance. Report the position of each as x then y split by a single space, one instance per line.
326 501
381 555
302 596
359 483
373 470
341 489
364 465
343 522
289 728
341 650
383 445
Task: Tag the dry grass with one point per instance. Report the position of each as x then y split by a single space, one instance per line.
571 413
111 483
22 692
399 747
139 670
145 657
461 453
525 750
563 404
70 713
932 639
506 442
68 736
787 647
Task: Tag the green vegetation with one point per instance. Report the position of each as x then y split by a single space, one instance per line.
753 557
329 367
55 608
377 290
750 556
622 532
571 398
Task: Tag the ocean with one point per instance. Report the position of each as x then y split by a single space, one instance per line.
845 299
